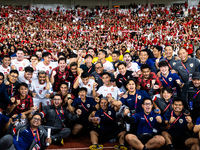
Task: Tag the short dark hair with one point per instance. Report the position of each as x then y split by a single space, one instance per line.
131 79
34 56
1 74
159 48
73 64
168 89
6 56
99 63
65 83
197 50
147 99
84 75
163 64
14 71
83 89
144 66
28 69
177 99
23 84
62 58
116 52
88 55
144 50
58 95
103 51
20 50
121 63
61 54
45 54
106 73
73 55
126 53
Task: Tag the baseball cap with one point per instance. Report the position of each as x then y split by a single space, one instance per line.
196 75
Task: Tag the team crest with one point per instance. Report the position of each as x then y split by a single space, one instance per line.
30 81
112 89
50 67
151 118
170 79
44 88
180 121
64 76
109 112
88 85
61 111
88 105
148 85
191 65
139 96
8 70
174 63
23 105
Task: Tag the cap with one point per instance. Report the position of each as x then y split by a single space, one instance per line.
196 75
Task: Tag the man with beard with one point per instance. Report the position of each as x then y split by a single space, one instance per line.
187 66
59 74
56 117
39 92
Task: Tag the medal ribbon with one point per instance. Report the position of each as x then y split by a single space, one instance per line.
108 116
38 137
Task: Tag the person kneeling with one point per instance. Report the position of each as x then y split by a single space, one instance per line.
147 124
106 127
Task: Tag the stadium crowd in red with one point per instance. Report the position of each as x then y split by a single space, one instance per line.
130 75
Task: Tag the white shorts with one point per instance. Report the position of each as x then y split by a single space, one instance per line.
45 102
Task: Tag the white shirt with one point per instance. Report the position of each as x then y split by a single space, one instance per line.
5 70
47 68
108 65
40 89
89 86
21 78
20 65
134 67
113 90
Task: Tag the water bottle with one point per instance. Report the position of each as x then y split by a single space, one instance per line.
112 141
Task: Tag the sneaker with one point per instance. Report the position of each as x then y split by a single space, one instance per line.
120 147
96 146
58 141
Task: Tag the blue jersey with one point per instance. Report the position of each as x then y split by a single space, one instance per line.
108 119
130 100
198 121
24 140
151 65
87 107
179 127
171 80
143 126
